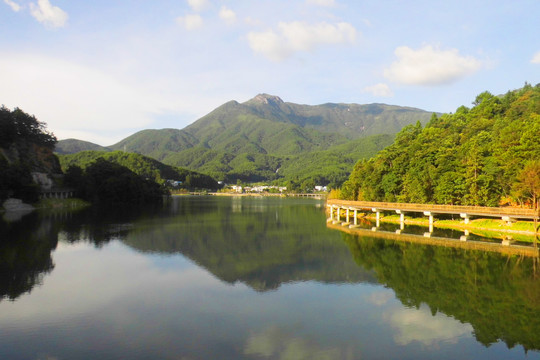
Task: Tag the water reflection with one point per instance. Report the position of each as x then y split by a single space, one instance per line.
277 343
420 325
192 281
25 254
264 246
495 294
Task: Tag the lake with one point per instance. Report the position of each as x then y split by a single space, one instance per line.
252 278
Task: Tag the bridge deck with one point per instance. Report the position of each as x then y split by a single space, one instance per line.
518 213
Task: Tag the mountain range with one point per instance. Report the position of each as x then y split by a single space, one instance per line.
266 139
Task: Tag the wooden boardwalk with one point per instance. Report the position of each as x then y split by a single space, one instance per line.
308 195
501 212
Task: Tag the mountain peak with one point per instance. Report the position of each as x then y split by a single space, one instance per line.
267 99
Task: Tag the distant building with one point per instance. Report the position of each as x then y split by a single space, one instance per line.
173 183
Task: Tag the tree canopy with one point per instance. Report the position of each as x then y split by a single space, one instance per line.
141 165
16 125
485 155
26 147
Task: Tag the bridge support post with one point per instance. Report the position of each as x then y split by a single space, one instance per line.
430 214
508 220
347 217
355 216
377 217
331 212
401 219
465 217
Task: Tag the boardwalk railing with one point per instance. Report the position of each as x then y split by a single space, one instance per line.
517 213
309 195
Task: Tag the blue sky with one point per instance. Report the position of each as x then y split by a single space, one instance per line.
102 70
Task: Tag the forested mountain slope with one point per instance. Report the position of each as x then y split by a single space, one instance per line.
141 165
72 146
485 155
267 125
266 139
26 149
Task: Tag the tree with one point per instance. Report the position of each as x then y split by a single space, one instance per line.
528 183
473 157
110 183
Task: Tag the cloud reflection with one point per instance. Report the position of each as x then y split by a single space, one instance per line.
277 343
380 298
420 325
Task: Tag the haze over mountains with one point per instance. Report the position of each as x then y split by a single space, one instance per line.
266 138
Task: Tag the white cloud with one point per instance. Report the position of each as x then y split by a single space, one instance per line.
252 21
227 15
269 44
13 5
75 100
536 58
321 2
47 14
191 21
430 66
198 5
382 90
299 36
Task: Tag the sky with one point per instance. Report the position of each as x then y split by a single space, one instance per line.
101 70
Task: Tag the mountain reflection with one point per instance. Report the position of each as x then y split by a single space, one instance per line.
254 241
265 243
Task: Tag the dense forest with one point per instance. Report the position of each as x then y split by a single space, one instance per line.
25 147
485 155
141 165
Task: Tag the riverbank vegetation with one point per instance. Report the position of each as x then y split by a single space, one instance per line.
106 182
487 155
143 166
25 147
26 154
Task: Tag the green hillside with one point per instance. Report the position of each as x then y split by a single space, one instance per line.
267 139
331 166
72 146
140 165
486 155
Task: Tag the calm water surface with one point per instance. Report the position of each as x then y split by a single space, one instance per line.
252 278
